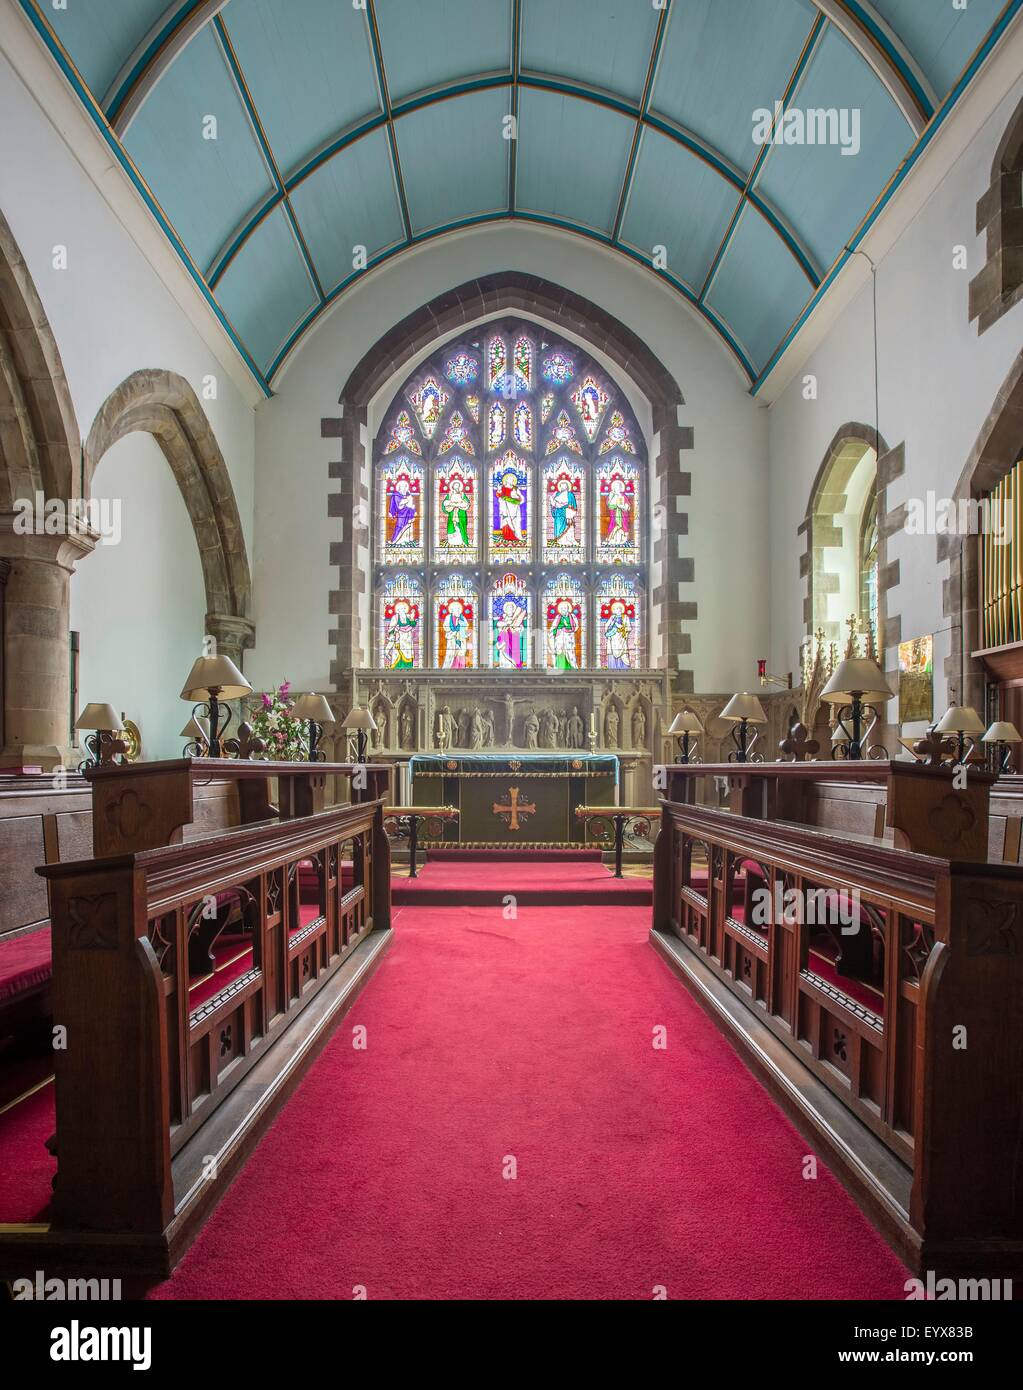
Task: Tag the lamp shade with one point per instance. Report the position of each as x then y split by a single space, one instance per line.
359 718
960 719
218 673
313 707
99 717
197 728
857 675
1001 731
685 722
744 706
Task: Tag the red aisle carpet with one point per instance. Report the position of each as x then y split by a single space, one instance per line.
486 881
490 1040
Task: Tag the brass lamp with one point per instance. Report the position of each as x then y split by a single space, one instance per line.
1002 735
211 680
197 731
315 709
742 711
104 722
965 723
360 719
684 728
859 689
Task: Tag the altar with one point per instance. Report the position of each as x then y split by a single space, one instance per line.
514 801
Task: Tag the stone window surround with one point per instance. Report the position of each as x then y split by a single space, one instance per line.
999 285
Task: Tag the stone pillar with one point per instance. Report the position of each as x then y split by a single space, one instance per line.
36 665
234 635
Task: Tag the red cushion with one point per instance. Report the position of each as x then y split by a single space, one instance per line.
25 963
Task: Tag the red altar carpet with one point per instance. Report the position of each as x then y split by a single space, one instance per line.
525 1046
581 880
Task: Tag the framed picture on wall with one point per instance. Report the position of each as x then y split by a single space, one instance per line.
916 680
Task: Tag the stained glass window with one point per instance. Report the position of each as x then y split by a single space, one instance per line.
455 534
511 532
401 512
524 425
510 607
455 607
428 402
497 419
400 605
510 479
564 525
617 483
590 399
618 612
564 608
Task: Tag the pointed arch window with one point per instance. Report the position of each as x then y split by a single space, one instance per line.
510 499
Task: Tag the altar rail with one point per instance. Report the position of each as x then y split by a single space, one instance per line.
153 1057
912 1020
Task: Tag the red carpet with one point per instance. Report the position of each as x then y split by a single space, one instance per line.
532 1038
26 1167
487 882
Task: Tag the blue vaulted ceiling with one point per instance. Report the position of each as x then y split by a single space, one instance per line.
349 130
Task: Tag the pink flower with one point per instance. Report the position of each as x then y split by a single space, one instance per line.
267 702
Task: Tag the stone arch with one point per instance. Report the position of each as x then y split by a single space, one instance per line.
40 447
39 439
997 449
999 285
441 318
164 405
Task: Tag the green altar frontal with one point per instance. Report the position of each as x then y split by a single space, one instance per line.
509 801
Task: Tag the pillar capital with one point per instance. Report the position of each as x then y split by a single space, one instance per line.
234 635
63 547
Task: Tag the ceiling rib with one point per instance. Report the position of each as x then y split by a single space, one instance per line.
385 96
152 58
881 48
687 139
630 168
746 198
264 144
513 153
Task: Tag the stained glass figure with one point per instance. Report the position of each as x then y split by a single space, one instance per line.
510 623
428 402
546 406
617 436
563 435
454 516
456 435
401 519
564 606
497 418
472 405
510 533
617 623
455 604
403 435
564 530
618 521
524 425
497 361
462 369
590 399
558 369
523 364
400 601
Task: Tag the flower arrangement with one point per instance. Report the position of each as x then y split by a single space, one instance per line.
272 720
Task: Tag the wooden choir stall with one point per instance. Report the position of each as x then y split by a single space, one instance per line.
842 924
227 917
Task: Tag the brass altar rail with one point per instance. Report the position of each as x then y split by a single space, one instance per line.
609 823
934 954
406 820
154 1050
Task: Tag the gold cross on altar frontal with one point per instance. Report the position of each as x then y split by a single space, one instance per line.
515 809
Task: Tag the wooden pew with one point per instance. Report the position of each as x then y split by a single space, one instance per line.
160 1075
920 1119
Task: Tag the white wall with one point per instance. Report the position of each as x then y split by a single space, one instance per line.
112 315
138 605
727 510
938 381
